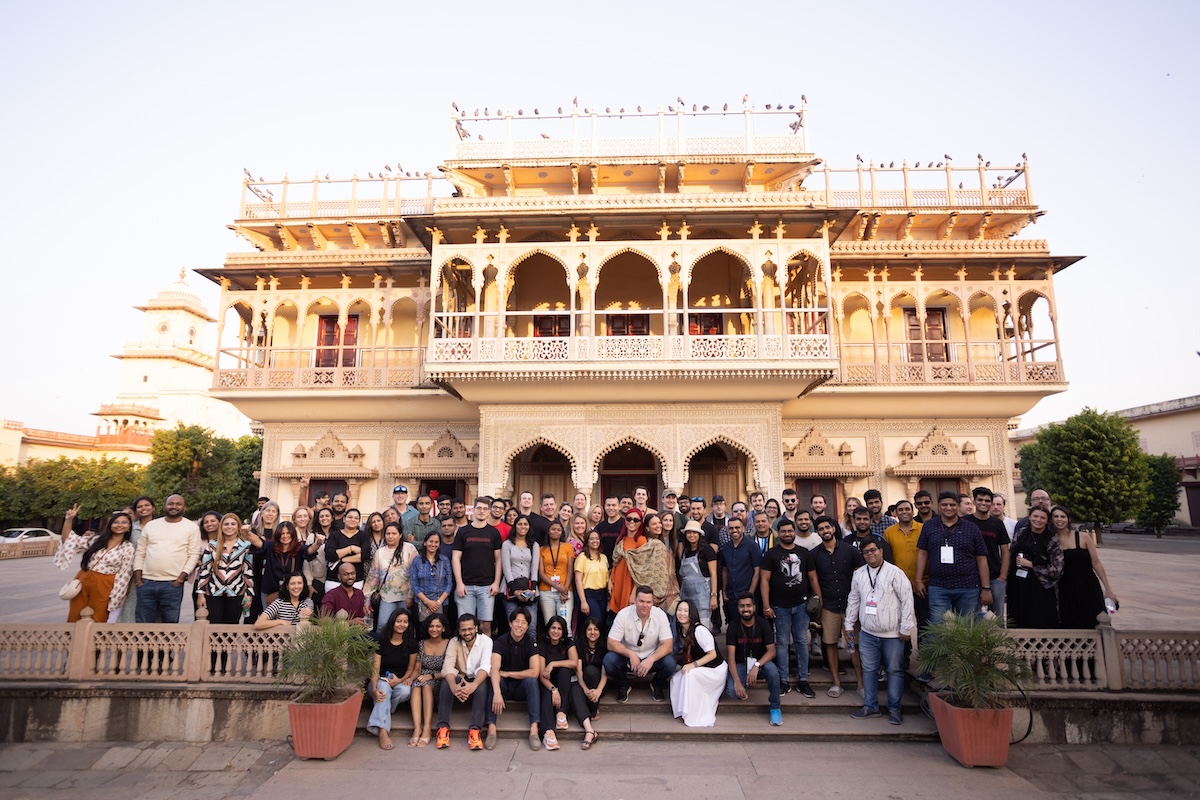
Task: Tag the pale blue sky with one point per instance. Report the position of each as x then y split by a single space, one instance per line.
127 126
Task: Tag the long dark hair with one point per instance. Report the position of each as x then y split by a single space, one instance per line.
410 633
687 635
566 632
294 547
104 538
398 553
316 522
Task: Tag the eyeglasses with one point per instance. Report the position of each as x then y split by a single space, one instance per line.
924 502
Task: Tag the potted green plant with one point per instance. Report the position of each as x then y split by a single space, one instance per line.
329 661
978 664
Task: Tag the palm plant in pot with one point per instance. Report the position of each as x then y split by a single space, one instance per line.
978 663
328 661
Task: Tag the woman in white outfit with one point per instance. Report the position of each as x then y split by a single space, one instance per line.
697 686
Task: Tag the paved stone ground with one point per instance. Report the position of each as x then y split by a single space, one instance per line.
699 771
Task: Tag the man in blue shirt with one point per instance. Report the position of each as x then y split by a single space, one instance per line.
739 559
953 551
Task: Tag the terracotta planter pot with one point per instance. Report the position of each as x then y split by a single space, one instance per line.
324 730
974 737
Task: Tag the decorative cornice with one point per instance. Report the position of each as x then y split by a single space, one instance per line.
313 258
939 246
451 206
554 372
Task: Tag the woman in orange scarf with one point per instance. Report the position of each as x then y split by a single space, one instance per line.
638 559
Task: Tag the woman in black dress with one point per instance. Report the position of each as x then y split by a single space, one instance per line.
590 675
1080 597
1033 575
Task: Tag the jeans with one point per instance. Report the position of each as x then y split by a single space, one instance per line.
381 713
766 672
159 601
527 689
997 606
597 600
791 627
872 649
617 665
386 610
549 601
480 700
478 602
964 602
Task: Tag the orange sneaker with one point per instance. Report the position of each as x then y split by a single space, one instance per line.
443 738
474 742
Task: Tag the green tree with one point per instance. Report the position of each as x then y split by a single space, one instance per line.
1027 462
248 455
1093 465
189 460
1162 498
42 490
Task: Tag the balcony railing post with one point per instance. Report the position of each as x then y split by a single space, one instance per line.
1110 655
81 655
197 651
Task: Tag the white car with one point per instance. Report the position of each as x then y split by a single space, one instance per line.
27 535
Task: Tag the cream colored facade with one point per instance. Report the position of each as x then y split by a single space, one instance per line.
1171 427
669 307
165 379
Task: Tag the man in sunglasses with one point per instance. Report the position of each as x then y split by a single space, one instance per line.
923 503
640 641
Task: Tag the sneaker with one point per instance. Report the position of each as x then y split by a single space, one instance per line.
535 743
443 738
895 717
864 713
776 716
474 742
656 693
924 677
805 689
784 688
623 693
560 721
490 742
550 740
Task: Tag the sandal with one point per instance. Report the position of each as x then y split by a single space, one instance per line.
834 691
423 741
413 741
588 742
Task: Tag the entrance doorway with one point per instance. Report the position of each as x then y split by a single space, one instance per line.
628 467
444 488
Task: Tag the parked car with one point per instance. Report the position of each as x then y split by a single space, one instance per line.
27 535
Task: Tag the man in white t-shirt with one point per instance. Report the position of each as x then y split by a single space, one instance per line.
640 641
167 552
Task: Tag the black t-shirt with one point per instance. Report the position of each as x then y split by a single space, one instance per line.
610 534
394 658
515 655
555 652
994 535
478 547
340 540
857 543
539 528
788 571
750 641
835 571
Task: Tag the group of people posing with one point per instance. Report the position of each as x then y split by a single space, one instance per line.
591 595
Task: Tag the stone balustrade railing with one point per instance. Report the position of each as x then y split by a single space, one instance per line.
84 651
1102 659
41 547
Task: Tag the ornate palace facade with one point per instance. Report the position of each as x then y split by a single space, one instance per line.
653 299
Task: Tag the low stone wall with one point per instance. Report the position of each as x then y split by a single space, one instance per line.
1127 718
44 547
133 713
